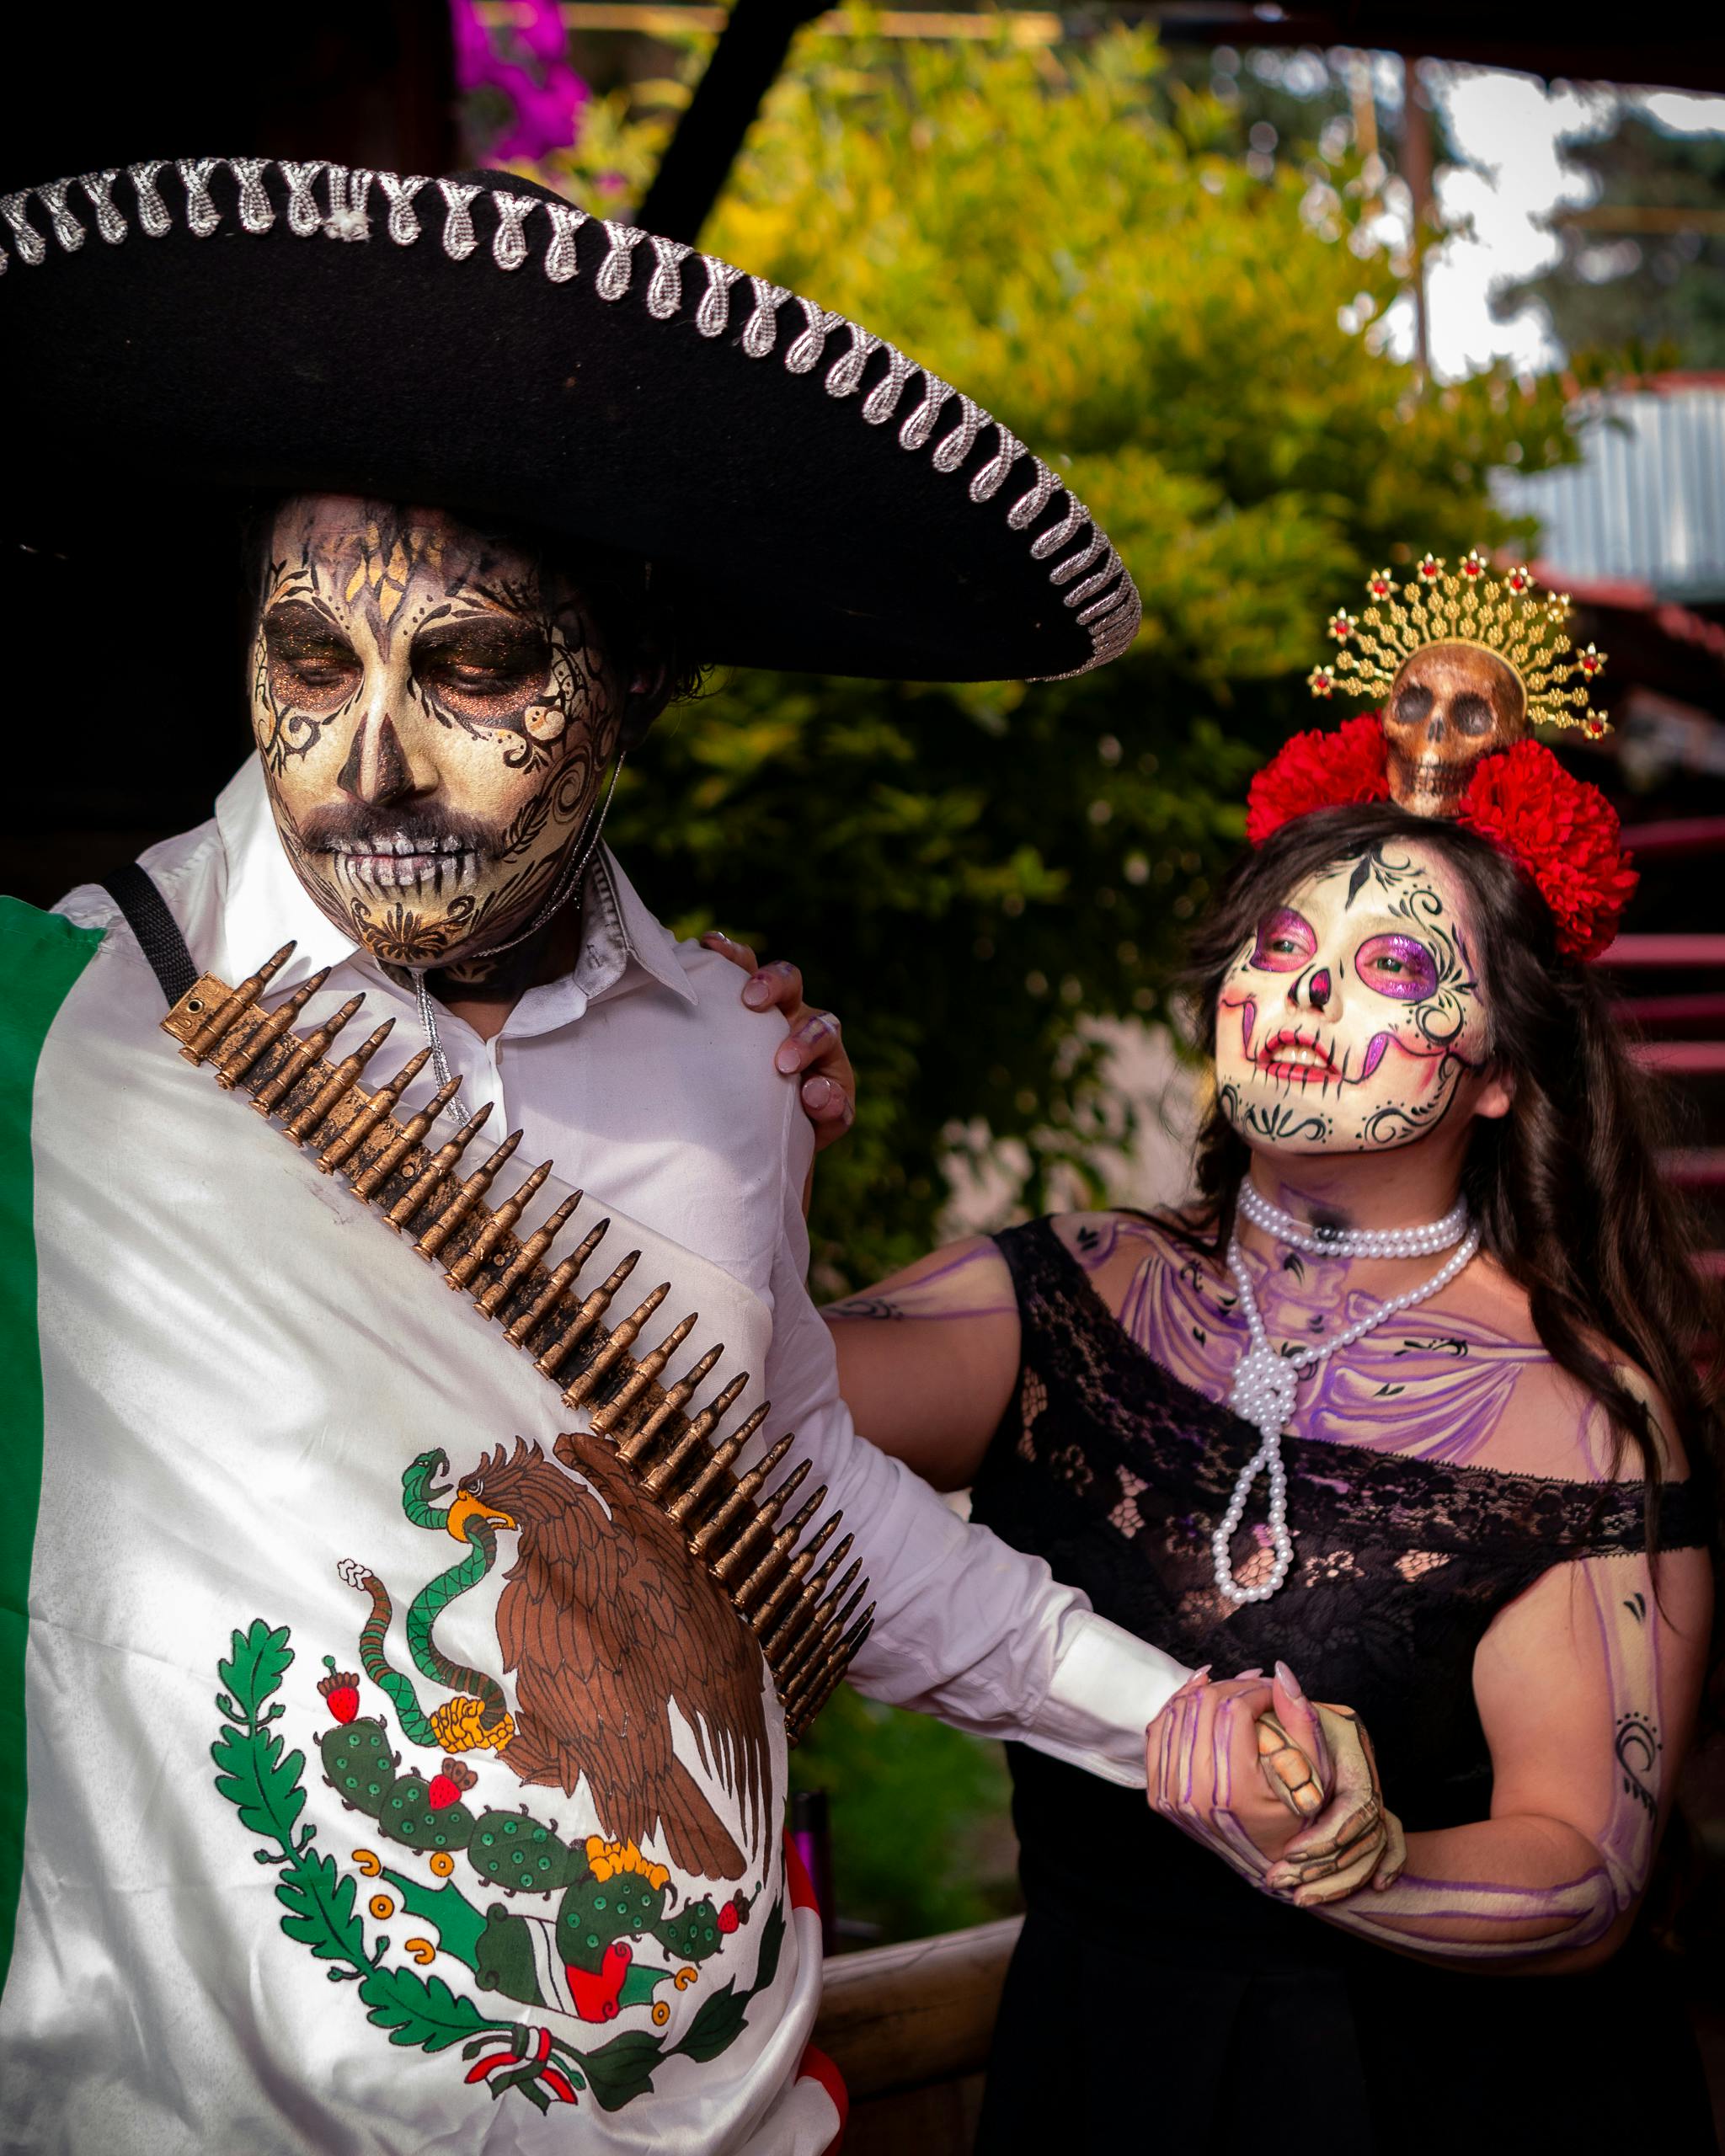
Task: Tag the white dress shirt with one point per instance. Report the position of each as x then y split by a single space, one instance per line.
645 1077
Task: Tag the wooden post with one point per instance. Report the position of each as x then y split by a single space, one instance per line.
1416 171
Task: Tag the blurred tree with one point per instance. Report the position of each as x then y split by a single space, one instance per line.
973 875
1618 273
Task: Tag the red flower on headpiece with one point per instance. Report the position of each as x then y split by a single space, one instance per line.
1563 832
1318 770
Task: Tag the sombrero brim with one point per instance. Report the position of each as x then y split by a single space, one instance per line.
816 499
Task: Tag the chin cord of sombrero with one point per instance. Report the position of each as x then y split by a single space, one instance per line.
806 1616
1562 832
1083 565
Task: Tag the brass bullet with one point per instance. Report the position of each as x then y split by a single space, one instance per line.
496 1228
773 1556
820 1640
422 1188
304 1056
681 1393
341 1082
806 1610
545 1301
622 1338
393 1155
234 1006
233 1068
633 1447
465 1199
374 1112
645 1371
813 1642
692 1444
589 1313
527 1256
703 1425
766 1615
712 1469
741 1497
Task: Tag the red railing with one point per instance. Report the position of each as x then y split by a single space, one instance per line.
1682 1031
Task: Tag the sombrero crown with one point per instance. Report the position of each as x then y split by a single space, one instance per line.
814 497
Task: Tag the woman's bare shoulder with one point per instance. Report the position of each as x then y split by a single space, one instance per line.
1554 1424
1115 1247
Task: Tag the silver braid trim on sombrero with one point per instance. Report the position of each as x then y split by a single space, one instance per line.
942 423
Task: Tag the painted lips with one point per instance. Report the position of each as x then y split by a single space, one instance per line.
1296 1055
1301 1058
403 864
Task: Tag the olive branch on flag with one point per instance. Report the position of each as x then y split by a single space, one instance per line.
263 1780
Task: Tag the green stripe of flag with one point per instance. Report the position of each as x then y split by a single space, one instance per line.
41 955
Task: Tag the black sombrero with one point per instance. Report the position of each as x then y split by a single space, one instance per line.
815 498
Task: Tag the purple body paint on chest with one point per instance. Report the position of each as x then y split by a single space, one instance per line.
1436 1390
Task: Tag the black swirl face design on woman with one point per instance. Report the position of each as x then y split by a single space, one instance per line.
434 715
1350 1020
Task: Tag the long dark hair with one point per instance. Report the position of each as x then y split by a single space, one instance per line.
1565 1187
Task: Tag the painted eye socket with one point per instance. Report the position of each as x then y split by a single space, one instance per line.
1397 966
1286 940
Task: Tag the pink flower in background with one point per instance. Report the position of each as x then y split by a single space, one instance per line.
528 61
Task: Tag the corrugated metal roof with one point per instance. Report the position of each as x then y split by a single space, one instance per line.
1646 503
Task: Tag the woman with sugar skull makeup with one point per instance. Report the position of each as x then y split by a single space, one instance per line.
1407 1394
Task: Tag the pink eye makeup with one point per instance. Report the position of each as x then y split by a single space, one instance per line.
1397 966
1286 940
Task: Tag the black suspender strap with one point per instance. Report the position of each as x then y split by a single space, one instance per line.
157 931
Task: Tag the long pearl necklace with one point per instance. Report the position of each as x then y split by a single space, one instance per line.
1266 1383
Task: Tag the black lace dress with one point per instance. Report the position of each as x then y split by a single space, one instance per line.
1156 2002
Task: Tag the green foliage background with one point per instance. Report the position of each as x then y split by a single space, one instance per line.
972 875
976 876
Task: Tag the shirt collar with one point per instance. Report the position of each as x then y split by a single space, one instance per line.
266 904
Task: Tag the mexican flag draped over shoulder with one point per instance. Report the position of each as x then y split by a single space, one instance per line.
269 1877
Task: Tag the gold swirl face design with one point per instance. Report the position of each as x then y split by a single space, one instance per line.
1355 1018
434 712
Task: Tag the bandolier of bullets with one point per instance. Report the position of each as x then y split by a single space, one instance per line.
800 1607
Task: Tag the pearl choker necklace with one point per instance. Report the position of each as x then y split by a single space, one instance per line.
1266 1383
1352 1242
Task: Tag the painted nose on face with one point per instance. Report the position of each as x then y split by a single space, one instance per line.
1317 988
377 770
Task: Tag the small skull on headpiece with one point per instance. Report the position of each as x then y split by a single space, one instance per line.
1449 705
1467 661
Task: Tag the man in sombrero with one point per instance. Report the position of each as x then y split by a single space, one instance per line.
432 1513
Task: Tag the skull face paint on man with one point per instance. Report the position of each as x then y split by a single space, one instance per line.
1355 1016
435 715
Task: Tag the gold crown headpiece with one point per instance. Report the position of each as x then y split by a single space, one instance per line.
1503 612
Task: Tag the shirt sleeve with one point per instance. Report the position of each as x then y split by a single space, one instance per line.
965 1627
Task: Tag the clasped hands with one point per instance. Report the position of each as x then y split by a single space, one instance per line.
1283 1789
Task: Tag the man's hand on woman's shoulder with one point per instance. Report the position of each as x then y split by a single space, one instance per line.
814 1048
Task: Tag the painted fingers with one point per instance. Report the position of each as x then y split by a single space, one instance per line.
1291 1774
1201 1754
1355 1839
